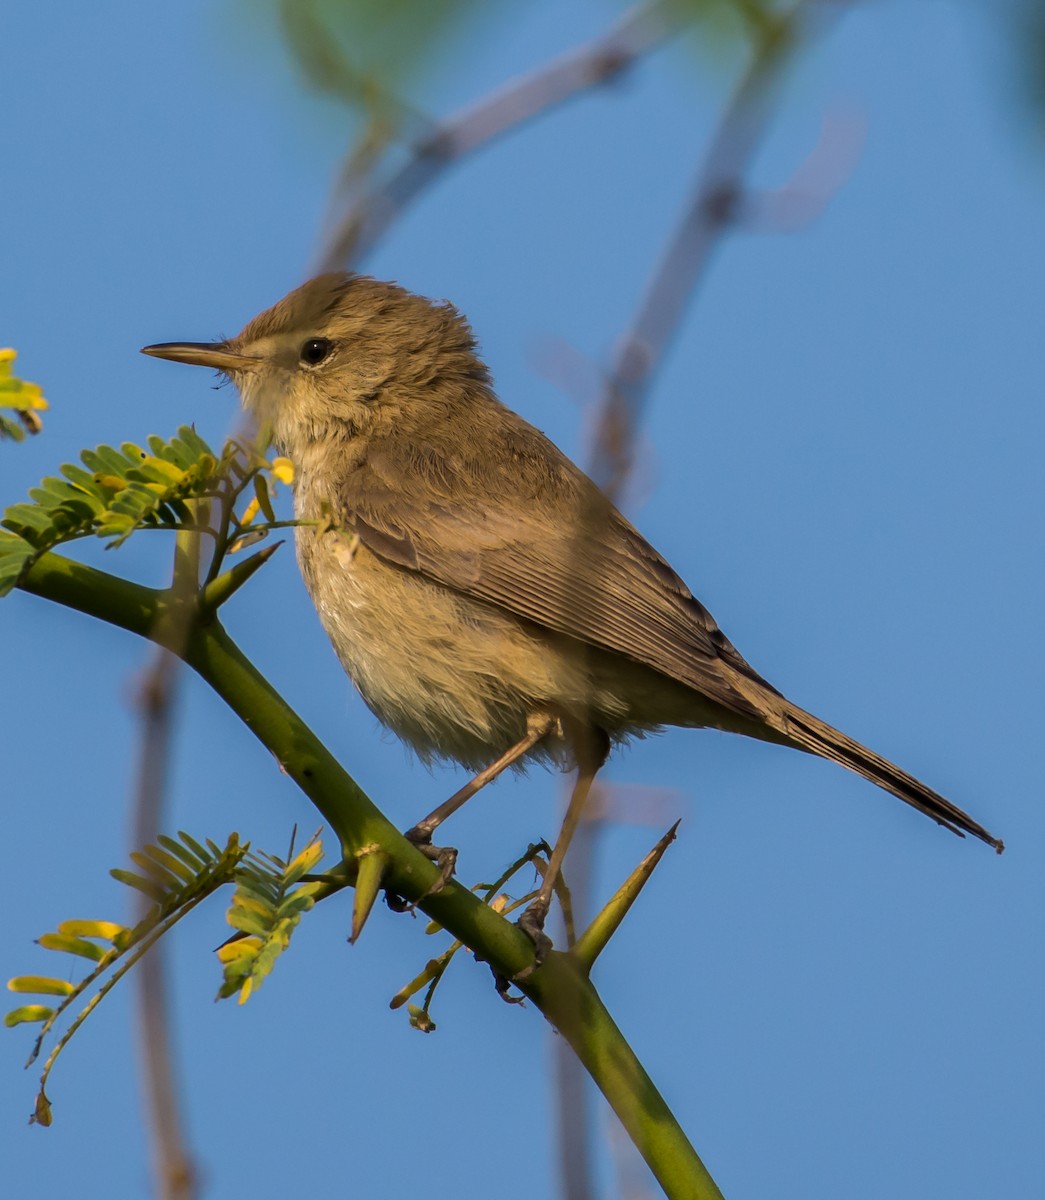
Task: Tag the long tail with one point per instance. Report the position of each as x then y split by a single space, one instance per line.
816 736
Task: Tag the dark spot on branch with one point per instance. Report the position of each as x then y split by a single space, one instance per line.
722 204
611 61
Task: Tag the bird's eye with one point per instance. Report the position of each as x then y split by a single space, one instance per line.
315 350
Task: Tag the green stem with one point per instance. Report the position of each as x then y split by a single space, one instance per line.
570 1002
559 989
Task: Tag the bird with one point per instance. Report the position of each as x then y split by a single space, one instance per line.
488 601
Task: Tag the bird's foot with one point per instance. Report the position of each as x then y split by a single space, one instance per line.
532 924
504 989
444 857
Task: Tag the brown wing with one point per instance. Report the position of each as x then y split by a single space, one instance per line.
513 522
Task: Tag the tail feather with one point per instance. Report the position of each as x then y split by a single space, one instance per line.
816 736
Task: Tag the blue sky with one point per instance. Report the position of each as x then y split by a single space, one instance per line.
842 458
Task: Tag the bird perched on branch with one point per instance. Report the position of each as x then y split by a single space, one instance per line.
488 601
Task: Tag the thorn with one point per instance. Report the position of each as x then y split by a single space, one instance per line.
593 941
373 863
221 589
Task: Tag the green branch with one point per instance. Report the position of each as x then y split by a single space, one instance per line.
560 988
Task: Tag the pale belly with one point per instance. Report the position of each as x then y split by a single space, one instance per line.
457 678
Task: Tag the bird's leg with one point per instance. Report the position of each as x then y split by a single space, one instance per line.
592 749
538 725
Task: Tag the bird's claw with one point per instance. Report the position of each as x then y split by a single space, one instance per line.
503 986
444 857
532 924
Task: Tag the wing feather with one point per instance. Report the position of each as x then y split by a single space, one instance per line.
527 531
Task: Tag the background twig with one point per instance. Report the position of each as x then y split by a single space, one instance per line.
597 62
714 204
174 1170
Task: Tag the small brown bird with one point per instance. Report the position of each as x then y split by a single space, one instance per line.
489 603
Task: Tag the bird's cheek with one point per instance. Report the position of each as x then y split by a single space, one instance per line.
258 394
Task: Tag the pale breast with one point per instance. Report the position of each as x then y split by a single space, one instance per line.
451 676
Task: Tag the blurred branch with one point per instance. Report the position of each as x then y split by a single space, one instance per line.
802 199
715 205
328 70
597 62
173 1164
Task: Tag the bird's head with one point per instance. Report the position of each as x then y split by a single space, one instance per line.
341 356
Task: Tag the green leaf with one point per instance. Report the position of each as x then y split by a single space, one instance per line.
11 429
71 945
148 887
108 931
40 985
25 400
180 873
28 1013
304 862
261 491
250 920
190 842
192 860
267 905
114 493
15 555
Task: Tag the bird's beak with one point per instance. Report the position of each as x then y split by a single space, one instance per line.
202 354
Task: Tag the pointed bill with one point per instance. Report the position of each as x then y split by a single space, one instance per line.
202 354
